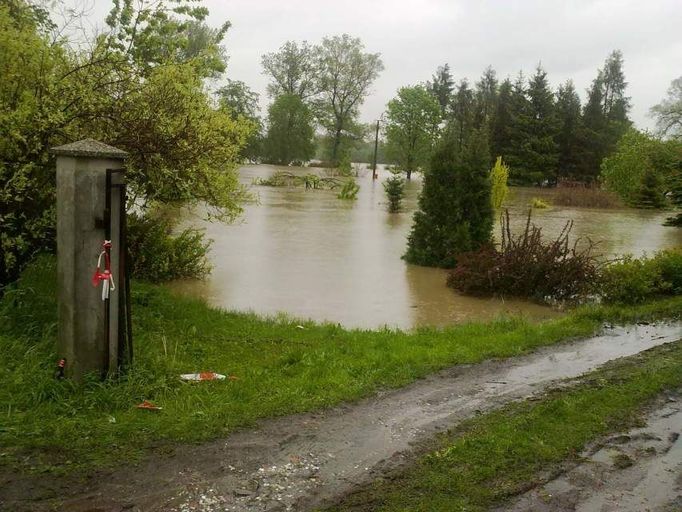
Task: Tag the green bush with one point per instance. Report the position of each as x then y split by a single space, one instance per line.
395 190
349 190
635 280
158 254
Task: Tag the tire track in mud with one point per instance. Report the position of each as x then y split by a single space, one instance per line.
303 461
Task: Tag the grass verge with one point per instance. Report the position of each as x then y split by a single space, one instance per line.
506 452
48 425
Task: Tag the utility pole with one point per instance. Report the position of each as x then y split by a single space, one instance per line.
376 147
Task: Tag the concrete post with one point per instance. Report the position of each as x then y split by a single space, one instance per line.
81 202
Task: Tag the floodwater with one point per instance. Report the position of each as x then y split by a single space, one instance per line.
312 255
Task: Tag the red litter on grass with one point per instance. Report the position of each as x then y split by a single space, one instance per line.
147 405
202 376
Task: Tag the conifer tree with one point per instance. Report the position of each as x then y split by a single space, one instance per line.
570 126
540 152
486 99
502 121
455 212
441 86
650 193
462 121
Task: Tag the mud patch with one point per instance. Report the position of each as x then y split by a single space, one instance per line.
639 471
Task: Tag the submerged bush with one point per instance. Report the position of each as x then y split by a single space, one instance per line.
349 190
539 203
528 266
158 254
634 280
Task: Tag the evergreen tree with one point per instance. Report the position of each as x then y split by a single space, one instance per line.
500 132
441 86
486 99
462 120
605 118
592 136
540 152
455 212
570 125
516 132
650 193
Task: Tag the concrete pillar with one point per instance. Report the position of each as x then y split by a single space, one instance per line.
81 202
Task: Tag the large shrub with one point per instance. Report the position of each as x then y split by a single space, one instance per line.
526 265
139 86
634 280
455 213
158 252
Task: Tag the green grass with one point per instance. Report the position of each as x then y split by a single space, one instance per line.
504 453
48 425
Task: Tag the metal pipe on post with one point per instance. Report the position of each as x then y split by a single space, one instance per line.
376 148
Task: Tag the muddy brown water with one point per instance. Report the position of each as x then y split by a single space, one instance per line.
312 255
304 461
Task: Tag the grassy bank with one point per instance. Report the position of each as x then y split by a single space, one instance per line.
504 453
281 368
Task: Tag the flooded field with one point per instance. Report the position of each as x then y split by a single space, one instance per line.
312 255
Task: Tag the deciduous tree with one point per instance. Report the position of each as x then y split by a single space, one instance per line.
290 131
411 130
345 73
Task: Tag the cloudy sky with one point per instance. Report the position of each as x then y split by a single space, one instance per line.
570 38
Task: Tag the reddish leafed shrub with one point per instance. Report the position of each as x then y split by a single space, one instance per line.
525 265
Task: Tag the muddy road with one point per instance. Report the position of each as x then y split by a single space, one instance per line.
302 462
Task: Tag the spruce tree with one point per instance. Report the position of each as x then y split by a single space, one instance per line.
540 152
650 194
570 126
486 99
462 121
502 121
455 212
441 86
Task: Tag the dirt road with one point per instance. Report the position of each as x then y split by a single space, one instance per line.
301 462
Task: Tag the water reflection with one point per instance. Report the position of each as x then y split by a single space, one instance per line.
313 255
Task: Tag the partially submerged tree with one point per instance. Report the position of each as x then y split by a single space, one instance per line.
290 131
394 186
411 129
345 73
455 213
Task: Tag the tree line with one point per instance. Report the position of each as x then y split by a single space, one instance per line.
311 85
544 135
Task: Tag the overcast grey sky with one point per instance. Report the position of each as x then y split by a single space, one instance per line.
570 38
